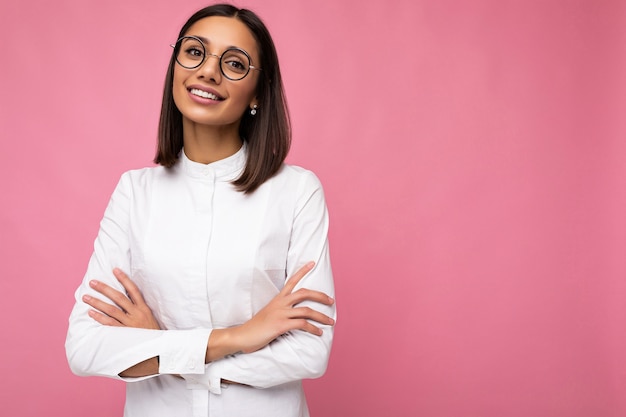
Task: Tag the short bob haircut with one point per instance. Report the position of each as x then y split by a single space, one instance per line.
267 134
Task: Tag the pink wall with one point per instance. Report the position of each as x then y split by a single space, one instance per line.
474 160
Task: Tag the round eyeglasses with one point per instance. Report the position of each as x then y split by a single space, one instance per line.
190 53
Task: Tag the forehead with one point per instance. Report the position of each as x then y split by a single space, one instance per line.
225 32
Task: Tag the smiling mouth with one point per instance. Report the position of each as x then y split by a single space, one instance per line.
204 94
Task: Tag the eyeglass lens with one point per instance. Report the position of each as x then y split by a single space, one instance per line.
191 53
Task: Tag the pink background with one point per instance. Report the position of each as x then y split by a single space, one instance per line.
474 159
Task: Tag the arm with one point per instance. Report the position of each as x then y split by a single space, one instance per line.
297 354
275 319
96 349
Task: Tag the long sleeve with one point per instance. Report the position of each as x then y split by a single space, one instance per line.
296 355
94 349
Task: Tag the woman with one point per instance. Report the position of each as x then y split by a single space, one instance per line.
185 296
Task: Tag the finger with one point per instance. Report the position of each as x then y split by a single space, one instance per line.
107 309
120 299
305 294
310 314
297 277
307 327
103 318
131 288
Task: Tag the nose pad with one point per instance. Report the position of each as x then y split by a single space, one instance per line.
210 68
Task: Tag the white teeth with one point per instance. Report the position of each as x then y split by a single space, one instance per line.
204 94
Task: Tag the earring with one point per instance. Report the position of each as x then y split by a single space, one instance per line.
253 111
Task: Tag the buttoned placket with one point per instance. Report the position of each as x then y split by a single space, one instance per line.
201 395
208 176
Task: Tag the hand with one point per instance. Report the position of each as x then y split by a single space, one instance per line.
130 309
280 316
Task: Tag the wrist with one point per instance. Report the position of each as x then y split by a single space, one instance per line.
222 342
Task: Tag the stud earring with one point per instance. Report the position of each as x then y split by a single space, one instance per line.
253 111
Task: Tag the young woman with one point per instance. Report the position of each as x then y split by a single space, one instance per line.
209 289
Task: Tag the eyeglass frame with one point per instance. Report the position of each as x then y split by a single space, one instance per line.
219 57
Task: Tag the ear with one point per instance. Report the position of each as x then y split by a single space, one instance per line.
253 103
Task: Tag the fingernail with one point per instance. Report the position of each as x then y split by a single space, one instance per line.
116 271
86 297
331 300
93 283
310 264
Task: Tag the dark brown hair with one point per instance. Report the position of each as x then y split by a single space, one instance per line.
267 134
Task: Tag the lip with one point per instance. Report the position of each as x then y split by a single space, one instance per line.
202 99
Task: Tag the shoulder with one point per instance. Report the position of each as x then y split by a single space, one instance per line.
138 183
298 185
298 178
145 176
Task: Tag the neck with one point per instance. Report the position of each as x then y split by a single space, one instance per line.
206 144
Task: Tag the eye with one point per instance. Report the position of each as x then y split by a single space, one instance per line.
191 49
235 65
235 61
194 52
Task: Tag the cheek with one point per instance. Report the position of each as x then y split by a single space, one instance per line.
247 93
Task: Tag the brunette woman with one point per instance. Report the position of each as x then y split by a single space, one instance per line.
209 289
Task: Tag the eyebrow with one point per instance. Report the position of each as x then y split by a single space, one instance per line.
206 42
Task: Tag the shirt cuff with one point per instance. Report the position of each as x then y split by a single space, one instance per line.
211 380
184 351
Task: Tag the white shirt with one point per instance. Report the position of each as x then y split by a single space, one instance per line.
207 256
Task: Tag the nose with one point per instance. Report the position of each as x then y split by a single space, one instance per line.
210 68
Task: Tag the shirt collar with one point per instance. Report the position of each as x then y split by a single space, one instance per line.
226 169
